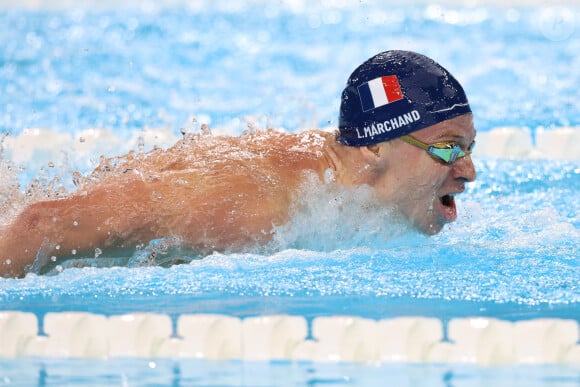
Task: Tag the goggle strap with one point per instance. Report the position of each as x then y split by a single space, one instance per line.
414 141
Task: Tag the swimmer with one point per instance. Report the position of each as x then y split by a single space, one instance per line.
405 131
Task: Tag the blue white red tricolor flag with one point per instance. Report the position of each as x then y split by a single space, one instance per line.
379 92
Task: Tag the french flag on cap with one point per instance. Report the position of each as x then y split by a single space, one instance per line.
379 92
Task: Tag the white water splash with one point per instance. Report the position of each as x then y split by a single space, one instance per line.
11 200
327 217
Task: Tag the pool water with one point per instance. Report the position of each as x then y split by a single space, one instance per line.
164 372
513 254
488 263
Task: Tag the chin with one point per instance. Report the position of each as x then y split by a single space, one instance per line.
431 228
427 222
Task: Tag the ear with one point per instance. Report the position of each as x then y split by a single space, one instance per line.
371 153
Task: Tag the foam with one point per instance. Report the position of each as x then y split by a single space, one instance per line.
329 339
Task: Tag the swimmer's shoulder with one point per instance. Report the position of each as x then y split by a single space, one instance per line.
313 139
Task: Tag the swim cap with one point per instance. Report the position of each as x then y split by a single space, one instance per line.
395 93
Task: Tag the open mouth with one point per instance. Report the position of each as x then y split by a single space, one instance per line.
449 209
447 201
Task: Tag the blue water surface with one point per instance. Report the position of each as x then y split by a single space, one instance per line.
283 66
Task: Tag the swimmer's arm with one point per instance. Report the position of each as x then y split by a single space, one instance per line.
220 213
107 217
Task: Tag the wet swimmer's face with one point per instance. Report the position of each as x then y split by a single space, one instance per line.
422 188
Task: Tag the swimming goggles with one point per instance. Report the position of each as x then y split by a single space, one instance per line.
447 151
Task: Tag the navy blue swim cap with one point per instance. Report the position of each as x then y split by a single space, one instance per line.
395 93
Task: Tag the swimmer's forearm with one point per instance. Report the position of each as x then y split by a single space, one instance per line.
62 228
39 230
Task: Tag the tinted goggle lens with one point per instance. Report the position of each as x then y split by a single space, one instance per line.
448 152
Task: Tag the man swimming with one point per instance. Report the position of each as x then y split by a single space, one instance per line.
405 131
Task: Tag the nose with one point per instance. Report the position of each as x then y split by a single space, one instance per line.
464 169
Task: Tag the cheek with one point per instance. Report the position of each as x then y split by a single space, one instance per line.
421 184
432 173
410 182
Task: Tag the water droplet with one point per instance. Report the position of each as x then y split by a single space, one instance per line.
57 247
329 176
50 164
53 258
74 252
205 130
76 177
141 145
75 223
98 252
